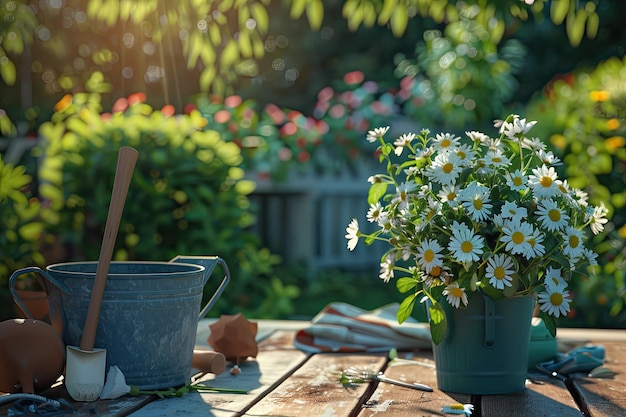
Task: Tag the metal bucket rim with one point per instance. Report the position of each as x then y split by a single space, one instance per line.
191 268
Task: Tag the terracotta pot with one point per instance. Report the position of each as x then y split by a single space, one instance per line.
37 304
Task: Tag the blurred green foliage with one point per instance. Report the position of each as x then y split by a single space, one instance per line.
584 114
460 77
187 196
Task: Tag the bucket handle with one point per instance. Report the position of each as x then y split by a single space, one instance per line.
39 273
209 263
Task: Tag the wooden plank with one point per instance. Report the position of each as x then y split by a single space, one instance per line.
605 397
276 358
315 390
397 401
544 396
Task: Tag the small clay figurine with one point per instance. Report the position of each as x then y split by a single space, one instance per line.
235 337
32 356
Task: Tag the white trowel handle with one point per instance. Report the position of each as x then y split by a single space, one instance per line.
126 160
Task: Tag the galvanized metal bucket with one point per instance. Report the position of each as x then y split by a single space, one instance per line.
149 313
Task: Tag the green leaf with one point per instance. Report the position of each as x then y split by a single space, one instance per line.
406 308
376 192
399 21
259 13
575 27
558 10
438 323
405 284
550 323
297 8
315 13
7 70
386 11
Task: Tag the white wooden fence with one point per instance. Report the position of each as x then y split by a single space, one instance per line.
305 219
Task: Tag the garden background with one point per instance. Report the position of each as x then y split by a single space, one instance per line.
245 112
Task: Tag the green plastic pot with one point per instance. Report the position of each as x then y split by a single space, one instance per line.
485 350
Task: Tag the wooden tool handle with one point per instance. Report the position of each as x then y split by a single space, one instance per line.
126 160
208 361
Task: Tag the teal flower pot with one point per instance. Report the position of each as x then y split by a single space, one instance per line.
485 350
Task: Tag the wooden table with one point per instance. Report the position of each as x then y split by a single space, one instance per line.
284 381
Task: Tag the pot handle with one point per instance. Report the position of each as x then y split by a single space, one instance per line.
39 273
209 263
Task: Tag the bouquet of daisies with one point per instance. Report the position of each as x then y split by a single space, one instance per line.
477 213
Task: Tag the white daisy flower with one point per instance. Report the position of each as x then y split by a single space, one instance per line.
496 158
517 128
598 218
445 141
510 210
548 158
591 257
500 270
466 246
573 239
378 133
373 179
516 236
475 199
537 248
465 154
386 268
352 234
374 212
445 169
543 182
384 222
429 255
551 216
478 137
517 180
402 142
552 276
455 295
534 144
555 301
448 194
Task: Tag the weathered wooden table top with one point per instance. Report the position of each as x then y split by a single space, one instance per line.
284 381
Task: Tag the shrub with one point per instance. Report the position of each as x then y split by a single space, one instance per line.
584 114
187 195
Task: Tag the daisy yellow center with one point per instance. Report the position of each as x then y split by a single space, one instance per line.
451 196
546 182
403 195
445 143
574 241
497 160
562 189
478 204
435 271
467 246
429 255
457 407
517 181
554 215
499 272
447 167
556 299
461 154
518 238
456 292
